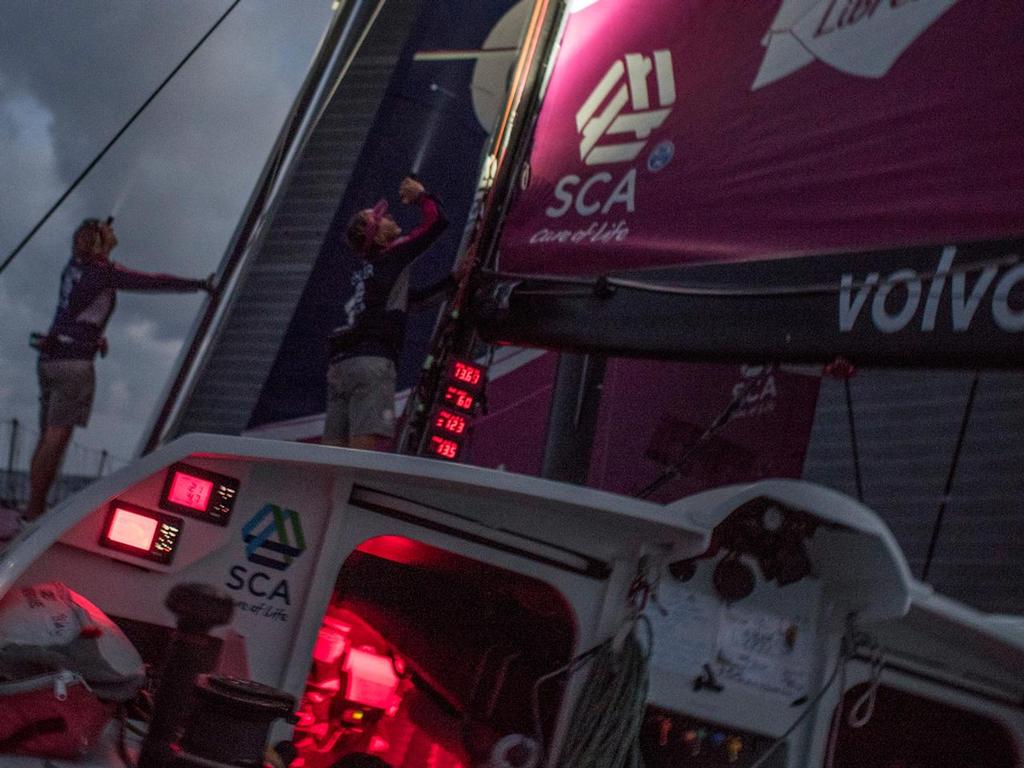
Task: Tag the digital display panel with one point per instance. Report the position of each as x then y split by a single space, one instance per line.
141 532
458 398
199 493
451 423
190 491
132 529
444 448
466 374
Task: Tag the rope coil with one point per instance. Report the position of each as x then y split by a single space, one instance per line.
605 731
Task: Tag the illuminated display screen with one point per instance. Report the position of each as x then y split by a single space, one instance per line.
189 491
199 493
141 532
452 423
466 374
132 529
444 448
459 398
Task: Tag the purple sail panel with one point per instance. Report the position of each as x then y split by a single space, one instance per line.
683 131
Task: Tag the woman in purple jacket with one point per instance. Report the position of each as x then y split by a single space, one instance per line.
88 292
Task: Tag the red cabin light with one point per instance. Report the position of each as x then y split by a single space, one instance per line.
444 448
372 681
132 529
190 491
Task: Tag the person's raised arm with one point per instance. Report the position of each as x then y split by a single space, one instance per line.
125 279
432 223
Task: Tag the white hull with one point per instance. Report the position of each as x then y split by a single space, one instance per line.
565 558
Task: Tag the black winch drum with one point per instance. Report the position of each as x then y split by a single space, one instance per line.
230 719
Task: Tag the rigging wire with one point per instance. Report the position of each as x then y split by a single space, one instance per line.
720 421
968 407
81 177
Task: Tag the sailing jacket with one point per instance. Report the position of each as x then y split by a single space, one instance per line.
376 312
88 293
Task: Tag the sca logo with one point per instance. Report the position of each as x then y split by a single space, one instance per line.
273 539
634 97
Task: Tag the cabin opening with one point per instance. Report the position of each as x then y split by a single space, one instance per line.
429 659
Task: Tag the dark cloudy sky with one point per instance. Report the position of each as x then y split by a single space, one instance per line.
71 73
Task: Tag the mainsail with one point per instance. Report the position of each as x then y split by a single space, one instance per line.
870 145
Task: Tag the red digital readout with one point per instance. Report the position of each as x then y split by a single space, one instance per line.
459 398
189 491
450 422
468 374
132 529
446 449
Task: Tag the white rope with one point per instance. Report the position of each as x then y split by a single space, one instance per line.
605 731
863 709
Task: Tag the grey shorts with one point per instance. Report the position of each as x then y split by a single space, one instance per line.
66 390
360 398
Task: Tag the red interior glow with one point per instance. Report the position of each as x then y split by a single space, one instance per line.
372 681
132 529
189 491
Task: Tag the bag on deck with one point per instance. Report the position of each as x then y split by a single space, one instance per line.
48 628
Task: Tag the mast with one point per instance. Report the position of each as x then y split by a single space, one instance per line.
339 46
509 146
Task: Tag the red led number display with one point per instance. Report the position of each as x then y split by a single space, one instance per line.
468 374
199 493
446 449
191 492
459 398
450 422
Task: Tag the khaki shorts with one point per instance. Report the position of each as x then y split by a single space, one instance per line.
66 390
360 398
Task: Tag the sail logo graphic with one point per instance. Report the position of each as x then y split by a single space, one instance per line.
605 113
273 537
620 105
859 37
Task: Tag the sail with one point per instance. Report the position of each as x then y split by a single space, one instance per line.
683 131
792 181
663 430
444 97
